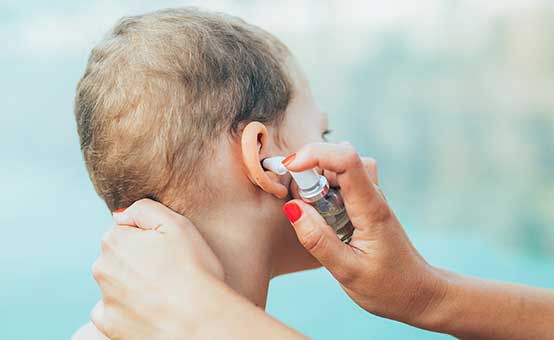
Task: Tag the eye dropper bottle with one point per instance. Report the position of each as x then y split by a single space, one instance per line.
314 189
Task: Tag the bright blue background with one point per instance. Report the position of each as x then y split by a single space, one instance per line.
454 98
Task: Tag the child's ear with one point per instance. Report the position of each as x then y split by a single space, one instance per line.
254 149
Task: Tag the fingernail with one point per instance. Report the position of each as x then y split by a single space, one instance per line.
288 159
293 211
119 211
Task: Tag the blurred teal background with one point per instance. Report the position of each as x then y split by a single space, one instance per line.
454 98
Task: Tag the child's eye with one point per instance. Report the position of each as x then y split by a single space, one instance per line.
325 133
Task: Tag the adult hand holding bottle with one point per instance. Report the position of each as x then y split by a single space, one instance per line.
380 270
383 272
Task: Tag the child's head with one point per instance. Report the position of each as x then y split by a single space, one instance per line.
162 109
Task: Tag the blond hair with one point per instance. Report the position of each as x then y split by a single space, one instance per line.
161 87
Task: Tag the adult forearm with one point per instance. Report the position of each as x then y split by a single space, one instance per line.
231 316
473 308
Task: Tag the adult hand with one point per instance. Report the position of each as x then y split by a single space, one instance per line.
160 280
152 263
380 269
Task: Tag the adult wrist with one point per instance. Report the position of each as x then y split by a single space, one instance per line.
434 301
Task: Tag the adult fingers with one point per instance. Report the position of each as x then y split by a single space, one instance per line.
363 201
110 237
149 215
369 164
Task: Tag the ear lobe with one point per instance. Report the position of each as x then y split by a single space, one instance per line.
253 142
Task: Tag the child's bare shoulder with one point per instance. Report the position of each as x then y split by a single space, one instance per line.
88 332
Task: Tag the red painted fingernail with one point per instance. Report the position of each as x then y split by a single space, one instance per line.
119 211
293 211
288 159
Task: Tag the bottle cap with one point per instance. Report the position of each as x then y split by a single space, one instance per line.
305 179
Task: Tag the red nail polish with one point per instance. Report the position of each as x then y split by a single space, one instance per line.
119 211
288 159
293 211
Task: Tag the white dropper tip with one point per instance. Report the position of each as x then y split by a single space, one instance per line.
305 179
274 164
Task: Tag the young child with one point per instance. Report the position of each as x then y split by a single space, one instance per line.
181 106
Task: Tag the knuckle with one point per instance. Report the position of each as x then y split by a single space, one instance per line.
351 157
97 271
348 148
369 163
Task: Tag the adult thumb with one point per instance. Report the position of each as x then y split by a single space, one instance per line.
318 237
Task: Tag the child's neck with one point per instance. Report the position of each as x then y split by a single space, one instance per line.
242 242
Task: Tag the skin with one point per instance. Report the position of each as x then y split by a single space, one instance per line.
150 298
257 222
380 270
384 274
